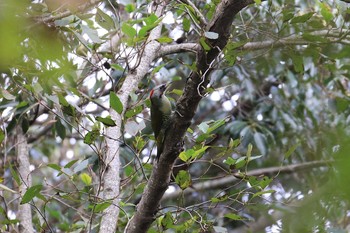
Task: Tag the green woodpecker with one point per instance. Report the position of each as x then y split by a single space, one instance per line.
160 114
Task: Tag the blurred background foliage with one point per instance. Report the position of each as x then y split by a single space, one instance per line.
278 96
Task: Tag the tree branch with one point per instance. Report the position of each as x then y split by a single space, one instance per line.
111 177
223 182
176 48
334 35
180 121
52 17
24 211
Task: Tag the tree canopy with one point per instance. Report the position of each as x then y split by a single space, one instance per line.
258 141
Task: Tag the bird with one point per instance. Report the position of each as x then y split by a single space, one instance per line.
160 115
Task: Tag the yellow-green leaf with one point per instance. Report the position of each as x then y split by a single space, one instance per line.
86 178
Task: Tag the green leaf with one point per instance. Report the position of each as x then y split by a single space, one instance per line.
183 179
216 125
7 95
115 102
176 92
260 142
15 175
201 138
104 20
234 143
86 178
164 40
71 163
54 166
326 11
198 153
258 182
60 129
233 216
219 199
203 127
91 136
31 193
130 8
101 206
129 30
134 111
291 150
314 38
143 31
204 44
168 221
186 24
92 34
186 155
62 100
81 166
69 110
302 18
258 194
2 136
230 161
287 15
231 51
107 121
249 151
298 62
117 67
240 162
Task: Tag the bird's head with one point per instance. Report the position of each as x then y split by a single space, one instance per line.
158 91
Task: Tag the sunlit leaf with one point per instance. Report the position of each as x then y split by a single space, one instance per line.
130 8
128 30
186 155
326 11
203 127
233 216
183 179
164 40
86 178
